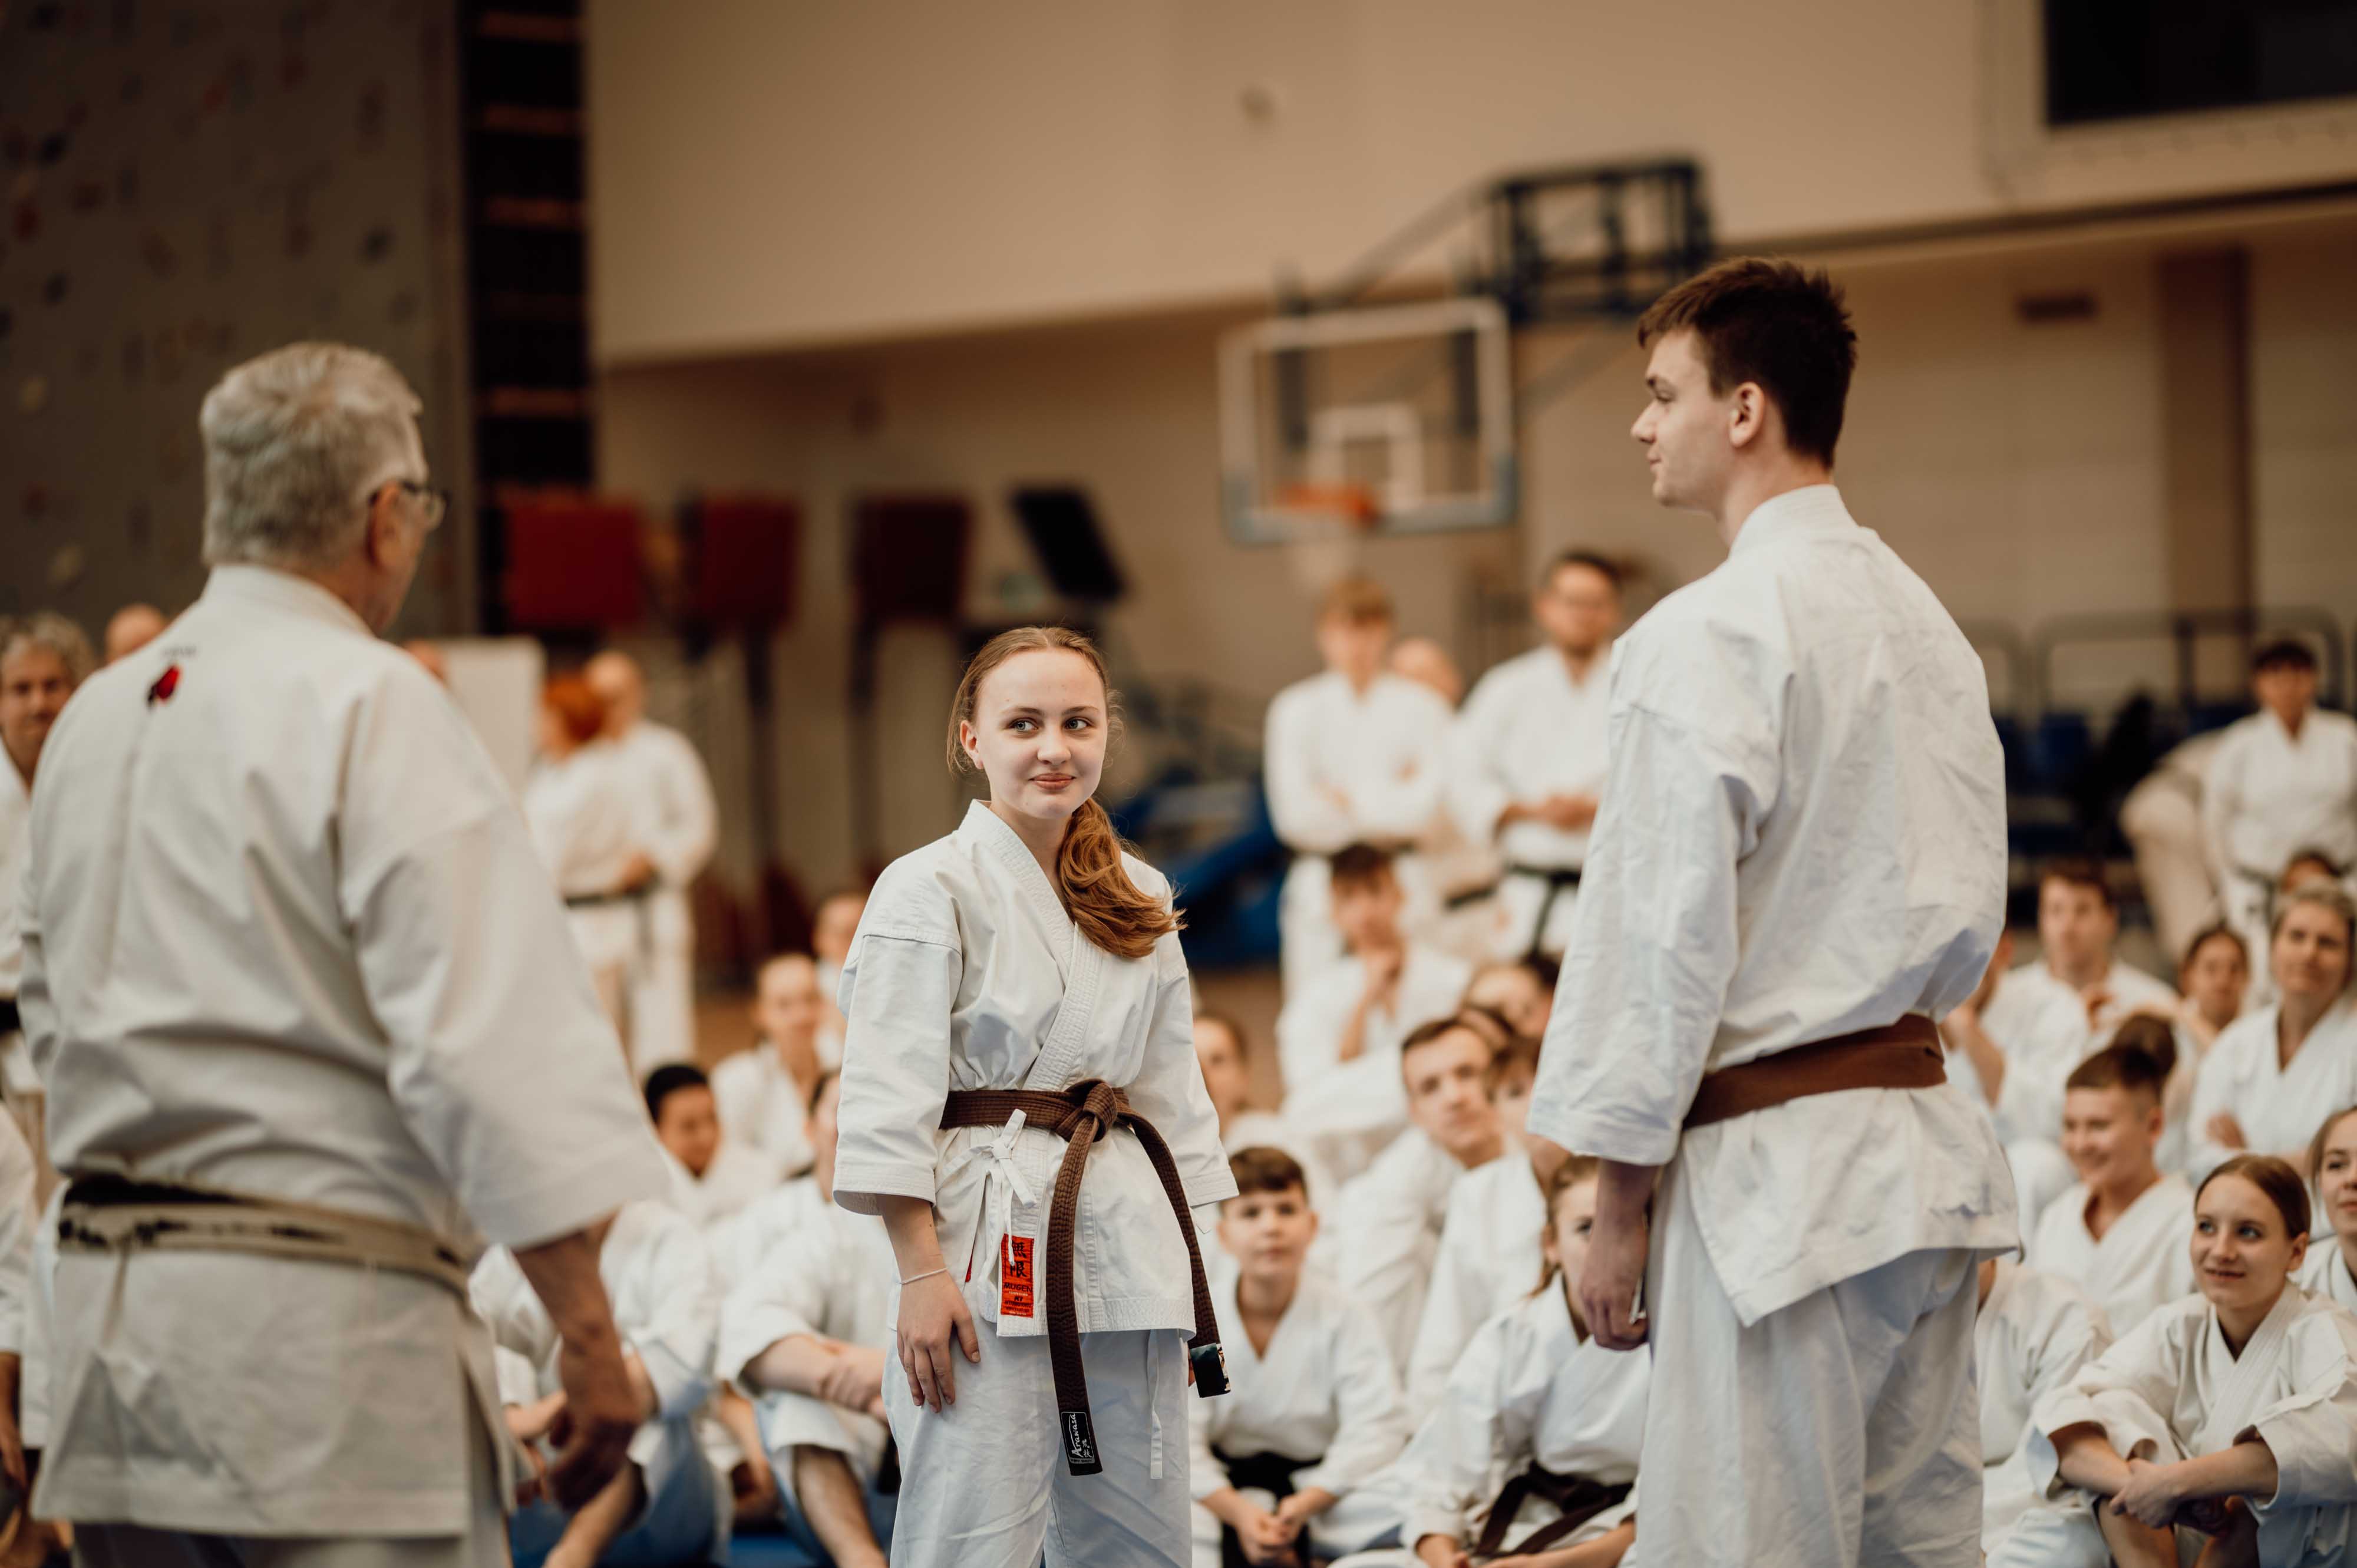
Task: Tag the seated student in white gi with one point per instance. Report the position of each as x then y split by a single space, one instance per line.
2330 1271
1224 1053
1527 768
2230 1416
1387 1219
763 1094
1353 754
1314 1411
2031 1336
714 1177
2262 1083
1519 990
1538 1424
833 924
1337 1038
2122 1234
809 1336
2284 781
666 1506
1489 1249
2214 979
2021 1035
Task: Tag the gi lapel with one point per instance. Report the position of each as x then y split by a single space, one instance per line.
2243 1389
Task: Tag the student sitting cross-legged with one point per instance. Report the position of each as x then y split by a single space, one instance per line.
1313 1411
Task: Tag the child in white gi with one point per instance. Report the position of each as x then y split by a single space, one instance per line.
2122 1234
2032 1334
1280 1466
1338 1038
1531 1453
1026 957
2230 1416
714 1177
2330 1271
763 1094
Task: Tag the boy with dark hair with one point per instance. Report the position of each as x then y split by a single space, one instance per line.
714 1177
1339 1038
1314 1408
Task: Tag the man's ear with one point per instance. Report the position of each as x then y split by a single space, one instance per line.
383 539
1748 415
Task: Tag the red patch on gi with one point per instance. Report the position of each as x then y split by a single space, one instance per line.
1015 1277
165 685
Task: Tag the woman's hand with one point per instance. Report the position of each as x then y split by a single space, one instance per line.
2151 1496
934 1314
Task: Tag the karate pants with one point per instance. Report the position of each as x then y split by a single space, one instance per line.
485 1542
1838 1431
983 1482
663 987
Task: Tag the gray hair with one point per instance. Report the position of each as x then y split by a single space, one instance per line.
46 628
296 441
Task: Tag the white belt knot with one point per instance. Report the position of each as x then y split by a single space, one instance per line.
999 1150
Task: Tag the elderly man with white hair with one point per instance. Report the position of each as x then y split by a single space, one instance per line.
681 825
313 1030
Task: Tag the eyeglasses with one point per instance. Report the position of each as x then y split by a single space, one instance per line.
437 503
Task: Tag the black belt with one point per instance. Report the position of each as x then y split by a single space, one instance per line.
11 1021
1559 880
1580 1499
1270 1473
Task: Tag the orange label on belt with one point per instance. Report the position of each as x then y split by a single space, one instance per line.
1015 1277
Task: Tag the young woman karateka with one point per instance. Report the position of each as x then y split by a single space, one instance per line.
1530 1456
2262 1083
1018 1019
2218 1430
2332 1268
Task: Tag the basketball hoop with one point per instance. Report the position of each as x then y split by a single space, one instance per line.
1354 505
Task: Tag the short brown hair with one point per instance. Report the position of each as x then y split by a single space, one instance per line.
1359 866
1423 1033
2142 1055
1264 1169
578 708
2078 871
2283 653
2208 934
1356 600
1602 565
2273 1176
1770 322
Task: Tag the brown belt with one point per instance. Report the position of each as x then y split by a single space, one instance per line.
1080 1115
1905 1054
1577 1499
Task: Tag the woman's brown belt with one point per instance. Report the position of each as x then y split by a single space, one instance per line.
1080 1115
1905 1054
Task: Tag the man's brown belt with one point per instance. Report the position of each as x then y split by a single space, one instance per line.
1080 1115
1905 1054
119 1214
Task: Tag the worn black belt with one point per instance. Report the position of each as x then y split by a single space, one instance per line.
1080 1115
1559 880
11 1021
1580 1499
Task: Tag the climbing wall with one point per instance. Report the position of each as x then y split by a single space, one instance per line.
188 184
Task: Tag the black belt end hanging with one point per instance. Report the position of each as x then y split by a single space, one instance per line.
1080 1442
1210 1364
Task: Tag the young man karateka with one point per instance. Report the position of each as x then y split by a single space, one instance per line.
714 1177
1802 845
270 839
1283 1462
807 1334
2032 1334
1527 761
1354 754
763 1094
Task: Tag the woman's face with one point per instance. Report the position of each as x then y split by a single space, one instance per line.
2336 1176
2242 1250
1038 733
2215 977
2311 953
1565 1244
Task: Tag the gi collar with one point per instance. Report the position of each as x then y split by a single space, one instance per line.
1811 509
285 591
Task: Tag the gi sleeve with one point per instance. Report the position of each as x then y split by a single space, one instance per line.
19 1217
1304 816
787 1295
2312 1432
1655 944
1386 1257
1169 1091
673 1338
1477 789
681 839
2127 1392
1456 1462
1459 1299
1371 1419
503 1299
504 1068
899 987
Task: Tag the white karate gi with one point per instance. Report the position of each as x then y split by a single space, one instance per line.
1488 1259
2266 798
2042 1026
2325 1272
761 1106
680 828
737 1177
2171 1390
16 846
1528 1390
1527 732
659 1278
1386 1228
1272 1130
1802 834
966 973
2144 1262
285 934
587 823
1350 1110
2032 1336
828 1272
1386 751
2278 1106
19 1216
1325 1390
